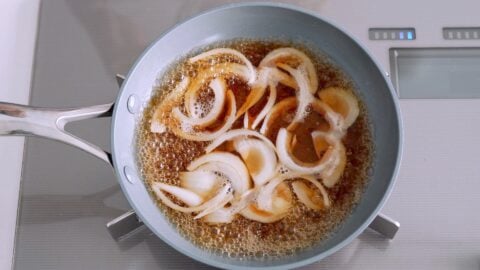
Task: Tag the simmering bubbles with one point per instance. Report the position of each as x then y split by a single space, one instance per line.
163 156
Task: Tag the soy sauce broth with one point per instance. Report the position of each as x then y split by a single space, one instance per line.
162 156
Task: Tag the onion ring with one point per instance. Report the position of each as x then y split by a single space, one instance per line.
277 110
283 143
342 102
273 58
259 158
335 168
234 133
265 76
208 136
227 164
307 196
219 89
204 76
220 197
233 52
268 106
281 202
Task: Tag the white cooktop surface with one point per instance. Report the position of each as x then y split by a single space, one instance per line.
436 197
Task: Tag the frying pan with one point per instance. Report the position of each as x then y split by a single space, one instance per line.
251 20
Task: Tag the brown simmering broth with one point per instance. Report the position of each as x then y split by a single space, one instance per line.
162 156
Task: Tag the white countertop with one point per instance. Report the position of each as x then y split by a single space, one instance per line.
434 198
18 24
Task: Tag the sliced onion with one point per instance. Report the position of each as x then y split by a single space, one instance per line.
186 196
246 120
266 76
342 102
281 202
202 182
227 164
220 51
219 89
284 141
256 92
156 125
222 215
259 158
308 196
227 214
215 200
277 110
265 194
335 120
204 76
277 76
268 106
304 94
217 203
235 133
185 131
274 58
334 170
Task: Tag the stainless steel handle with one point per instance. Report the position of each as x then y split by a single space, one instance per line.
23 120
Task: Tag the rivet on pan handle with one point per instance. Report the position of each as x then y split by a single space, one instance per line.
385 226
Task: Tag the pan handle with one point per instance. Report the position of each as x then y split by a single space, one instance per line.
24 120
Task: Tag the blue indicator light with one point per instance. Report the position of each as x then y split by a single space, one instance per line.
409 35
401 35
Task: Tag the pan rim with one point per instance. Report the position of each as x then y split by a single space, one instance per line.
300 262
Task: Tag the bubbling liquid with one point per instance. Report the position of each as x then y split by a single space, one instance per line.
162 156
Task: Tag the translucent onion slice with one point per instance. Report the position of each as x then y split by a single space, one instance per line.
202 182
259 158
266 76
220 51
277 110
219 89
335 120
228 165
227 214
188 197
157 125
204 76
222 215
334 170
277 76
281 202
268 106
246 120
235 133
186 131
222 201
265 194
275 57
342 102
304 94
308 196
284 150
221 198
256 92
